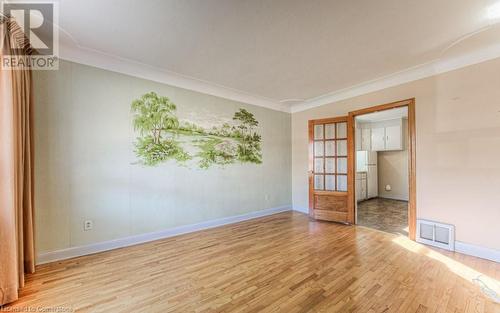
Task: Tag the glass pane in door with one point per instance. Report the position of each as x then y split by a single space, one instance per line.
330 148
342 165
342 182
318 132
318 165
318 182
330 165
330 182
341 130
341 147
318 148
329 131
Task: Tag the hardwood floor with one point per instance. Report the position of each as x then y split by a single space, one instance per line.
283 262
384 214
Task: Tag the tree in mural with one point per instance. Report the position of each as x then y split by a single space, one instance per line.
160 132
249 146
153 115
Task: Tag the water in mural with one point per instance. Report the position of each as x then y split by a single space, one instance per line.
163 137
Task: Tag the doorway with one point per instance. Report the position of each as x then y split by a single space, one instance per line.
384 181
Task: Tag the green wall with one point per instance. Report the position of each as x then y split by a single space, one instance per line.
86 166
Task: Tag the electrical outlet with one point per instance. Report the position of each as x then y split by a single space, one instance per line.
88 225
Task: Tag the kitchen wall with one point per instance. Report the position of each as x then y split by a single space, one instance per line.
86 167
458 144
393 170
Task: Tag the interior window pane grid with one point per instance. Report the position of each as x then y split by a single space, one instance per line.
334 134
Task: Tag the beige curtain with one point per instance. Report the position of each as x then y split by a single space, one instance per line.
17 252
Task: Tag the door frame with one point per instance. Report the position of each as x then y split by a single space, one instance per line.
412 178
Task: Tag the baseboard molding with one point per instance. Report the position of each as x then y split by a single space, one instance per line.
477 251
73 252
47 257
400 198
301 210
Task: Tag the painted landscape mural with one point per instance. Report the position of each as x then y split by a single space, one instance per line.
163 137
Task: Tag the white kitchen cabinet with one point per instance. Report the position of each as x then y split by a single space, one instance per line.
393 138
361 192
387 136
363 140
366 139
378 139
371 182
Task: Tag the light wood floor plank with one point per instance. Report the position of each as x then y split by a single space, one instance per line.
280 263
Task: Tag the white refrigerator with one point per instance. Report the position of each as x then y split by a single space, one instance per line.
366 161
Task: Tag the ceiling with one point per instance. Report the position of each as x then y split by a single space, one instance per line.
383 115
282 51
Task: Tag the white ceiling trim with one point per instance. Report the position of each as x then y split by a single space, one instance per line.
128 67
116 64
412 74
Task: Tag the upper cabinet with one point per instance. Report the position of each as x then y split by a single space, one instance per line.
363 138
366 140
378 139
394 138
387 135
381 136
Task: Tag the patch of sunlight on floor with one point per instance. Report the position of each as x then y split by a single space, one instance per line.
489 286
408 244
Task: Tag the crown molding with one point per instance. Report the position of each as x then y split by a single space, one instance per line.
113 63
117 64
436 67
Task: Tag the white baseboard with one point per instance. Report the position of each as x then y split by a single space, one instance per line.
393 197
301 210
72 252
47 257
477 251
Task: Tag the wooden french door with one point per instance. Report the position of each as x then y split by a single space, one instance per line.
329 170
